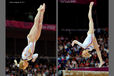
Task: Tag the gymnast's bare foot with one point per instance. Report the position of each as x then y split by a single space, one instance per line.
91 4
101 63
41 8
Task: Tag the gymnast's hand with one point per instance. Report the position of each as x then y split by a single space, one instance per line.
74 42
15 61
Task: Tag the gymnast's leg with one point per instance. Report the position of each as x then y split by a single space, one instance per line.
91 31
35 31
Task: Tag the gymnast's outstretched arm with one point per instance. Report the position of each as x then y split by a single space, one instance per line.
79 43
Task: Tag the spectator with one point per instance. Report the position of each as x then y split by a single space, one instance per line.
73 54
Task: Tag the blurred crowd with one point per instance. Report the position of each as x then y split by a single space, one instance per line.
71 57
42 67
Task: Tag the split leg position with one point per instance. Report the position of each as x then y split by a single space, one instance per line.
90 42
32 37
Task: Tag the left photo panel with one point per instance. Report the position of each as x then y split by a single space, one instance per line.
30 38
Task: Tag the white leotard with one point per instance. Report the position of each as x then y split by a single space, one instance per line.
87 44
26 52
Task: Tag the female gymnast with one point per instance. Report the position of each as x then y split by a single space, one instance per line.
90 42
32 37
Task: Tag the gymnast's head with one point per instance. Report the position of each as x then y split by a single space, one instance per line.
86 54
23 64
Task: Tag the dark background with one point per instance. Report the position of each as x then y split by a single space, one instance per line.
70 16
16 40
21 10
75 16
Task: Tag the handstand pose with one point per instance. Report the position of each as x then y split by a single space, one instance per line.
90 42
32 37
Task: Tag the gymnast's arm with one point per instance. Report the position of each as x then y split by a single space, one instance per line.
79 43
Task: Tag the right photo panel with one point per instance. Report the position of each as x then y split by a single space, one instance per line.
83 38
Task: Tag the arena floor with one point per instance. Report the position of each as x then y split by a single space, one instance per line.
87 72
